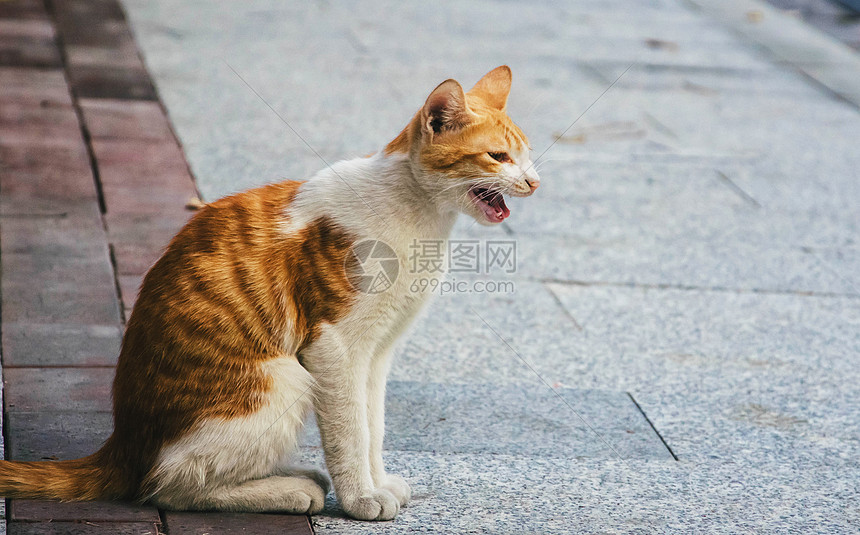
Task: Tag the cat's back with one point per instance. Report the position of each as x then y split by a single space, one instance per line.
207 311
235 288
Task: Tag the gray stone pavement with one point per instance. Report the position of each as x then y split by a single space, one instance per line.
686 278
830 16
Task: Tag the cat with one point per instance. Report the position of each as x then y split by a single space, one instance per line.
254 316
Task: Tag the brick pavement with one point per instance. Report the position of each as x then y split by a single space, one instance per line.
93 184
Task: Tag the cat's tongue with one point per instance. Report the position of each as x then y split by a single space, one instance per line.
492 204
496 210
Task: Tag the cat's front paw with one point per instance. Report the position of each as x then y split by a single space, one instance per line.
397 486
379 504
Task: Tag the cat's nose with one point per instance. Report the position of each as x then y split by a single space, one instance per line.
531 177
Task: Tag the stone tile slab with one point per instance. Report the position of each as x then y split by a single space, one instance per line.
514 495
60 344
96 512
682 263
791 40
723 374
526 419
55 434
46 389
236 523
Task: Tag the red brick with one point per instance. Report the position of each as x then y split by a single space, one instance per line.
55 435
54 302
28 122
89 10
91 22
111 82
37 136
68 389
23 205
234 523
47 180
76 528
123 119
32 28
57 268
54 344
153 229
93 32
24 114
135 259
56 239
40 86
124 56
129 285
97 512
48 281
143 176
140 239
23 9
144 160
28 51
131 198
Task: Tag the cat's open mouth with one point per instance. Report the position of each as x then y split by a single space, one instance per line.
491 202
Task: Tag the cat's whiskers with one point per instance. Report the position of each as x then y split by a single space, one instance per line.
480 181
537 165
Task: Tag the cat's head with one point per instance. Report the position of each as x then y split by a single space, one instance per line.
466 152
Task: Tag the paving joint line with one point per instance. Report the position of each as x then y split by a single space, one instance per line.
59 42
782 38
564 309
653 427
691 288
739 191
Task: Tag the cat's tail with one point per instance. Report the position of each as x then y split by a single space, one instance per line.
86 479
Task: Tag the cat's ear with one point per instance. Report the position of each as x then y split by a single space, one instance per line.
494 87
445 109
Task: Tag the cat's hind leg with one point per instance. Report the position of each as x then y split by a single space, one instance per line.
305 471
227 463
285 494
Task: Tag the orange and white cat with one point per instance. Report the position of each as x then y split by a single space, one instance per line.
252 317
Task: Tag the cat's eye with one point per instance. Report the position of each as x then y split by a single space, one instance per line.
501 157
